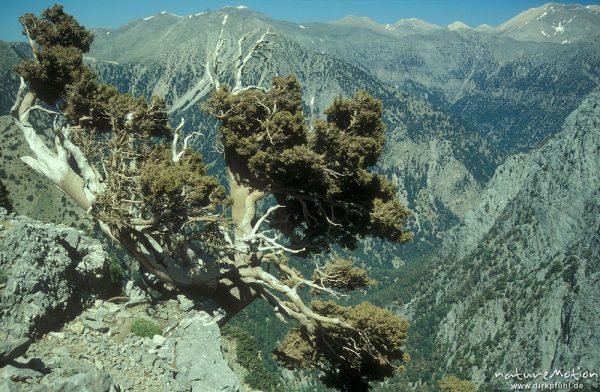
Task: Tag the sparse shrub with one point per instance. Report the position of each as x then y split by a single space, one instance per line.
4 198
145 328
555 268
454 384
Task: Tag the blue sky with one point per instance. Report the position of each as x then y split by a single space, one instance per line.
114 13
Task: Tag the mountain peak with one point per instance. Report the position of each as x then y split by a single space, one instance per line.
554 22
353 19
458 25
415 22
163 14
236 7
484 27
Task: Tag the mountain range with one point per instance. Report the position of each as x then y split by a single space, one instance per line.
492 141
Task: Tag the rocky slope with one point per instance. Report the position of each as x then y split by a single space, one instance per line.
516 284
49 272
10 55
554 22
513 93
57 336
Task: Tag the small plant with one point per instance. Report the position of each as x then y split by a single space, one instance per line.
3 277
145 328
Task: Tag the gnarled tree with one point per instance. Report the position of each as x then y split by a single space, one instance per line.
119 159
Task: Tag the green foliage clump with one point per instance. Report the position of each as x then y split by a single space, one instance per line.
103 108
5 201
247 355
353 135
3 277
341 274
371 350
145 328
454 384
320 175
60 41
176 191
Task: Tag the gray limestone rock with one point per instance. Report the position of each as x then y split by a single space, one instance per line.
92 381
52 271
19 374
184 303
198 357
8 386
135 294
95 325
11 349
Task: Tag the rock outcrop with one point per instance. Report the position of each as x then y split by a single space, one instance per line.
50 273
57 337
198 356
517 284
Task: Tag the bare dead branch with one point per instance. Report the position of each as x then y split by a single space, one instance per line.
241 63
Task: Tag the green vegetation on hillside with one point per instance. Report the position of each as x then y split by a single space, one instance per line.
247 354
5 201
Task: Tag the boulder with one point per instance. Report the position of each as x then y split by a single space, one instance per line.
199 359
52 271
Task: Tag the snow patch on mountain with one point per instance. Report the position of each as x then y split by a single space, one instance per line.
561 27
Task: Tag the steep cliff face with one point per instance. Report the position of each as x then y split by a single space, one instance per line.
10 55
520 278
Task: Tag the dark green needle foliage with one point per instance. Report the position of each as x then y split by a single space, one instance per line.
321 175
59 44
176 191
371 350
128 137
